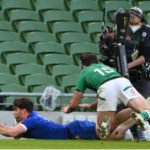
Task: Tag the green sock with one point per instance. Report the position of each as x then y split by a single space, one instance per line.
145 115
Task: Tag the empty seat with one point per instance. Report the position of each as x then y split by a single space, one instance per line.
1 15
144 5
13 88
54 59
35 37
113 6
15 4
78 5
69 81
22 15
71 37
30 68
30 26
148 18
5 26
4 68
55 15
85 17
22 70
11 47
34 80
61 70
94 29
9 36
61 27
40 88
77 48
6 78
13 59
43 5
43 48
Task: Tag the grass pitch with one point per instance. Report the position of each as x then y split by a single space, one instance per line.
72 144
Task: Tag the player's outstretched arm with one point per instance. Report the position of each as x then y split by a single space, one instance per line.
74 102
12 131
92 105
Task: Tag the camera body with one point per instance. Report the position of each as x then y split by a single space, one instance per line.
112 43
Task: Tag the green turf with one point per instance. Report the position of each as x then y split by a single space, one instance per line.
72 144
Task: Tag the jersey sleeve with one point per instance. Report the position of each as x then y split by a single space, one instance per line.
29 123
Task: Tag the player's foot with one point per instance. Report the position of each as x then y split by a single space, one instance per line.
139 120
104 128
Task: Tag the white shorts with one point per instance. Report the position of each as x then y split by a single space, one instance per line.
113 92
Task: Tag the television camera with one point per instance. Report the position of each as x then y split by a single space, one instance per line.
112 42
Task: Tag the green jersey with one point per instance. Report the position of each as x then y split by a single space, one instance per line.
95 75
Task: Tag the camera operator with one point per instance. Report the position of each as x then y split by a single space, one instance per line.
137 45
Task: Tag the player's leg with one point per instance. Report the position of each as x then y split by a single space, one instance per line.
120 117
82 129
104 121
106 108
120 131
133 99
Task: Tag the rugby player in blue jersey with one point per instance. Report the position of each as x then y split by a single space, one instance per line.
32 125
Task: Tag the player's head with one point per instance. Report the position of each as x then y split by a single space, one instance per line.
22 108
87 59
24 103
136 15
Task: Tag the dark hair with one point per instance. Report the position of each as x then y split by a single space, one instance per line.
88 58
24 103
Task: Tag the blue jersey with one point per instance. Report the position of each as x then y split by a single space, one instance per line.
82 129
41 128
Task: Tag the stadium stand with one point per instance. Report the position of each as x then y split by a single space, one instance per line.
38 79
1 15
6 78
9 5
42 5
55 59
5 26
57 15
32 32
69 81
85 17
85 47
61 70
42 48
4 68
9 36
37 36
12 47
112 6
13 59
30 26
18 15
22 70
62 27
76 6
73 37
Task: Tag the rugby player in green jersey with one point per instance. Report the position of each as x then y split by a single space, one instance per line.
111 89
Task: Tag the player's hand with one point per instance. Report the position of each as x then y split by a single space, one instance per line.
85 106
65 109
